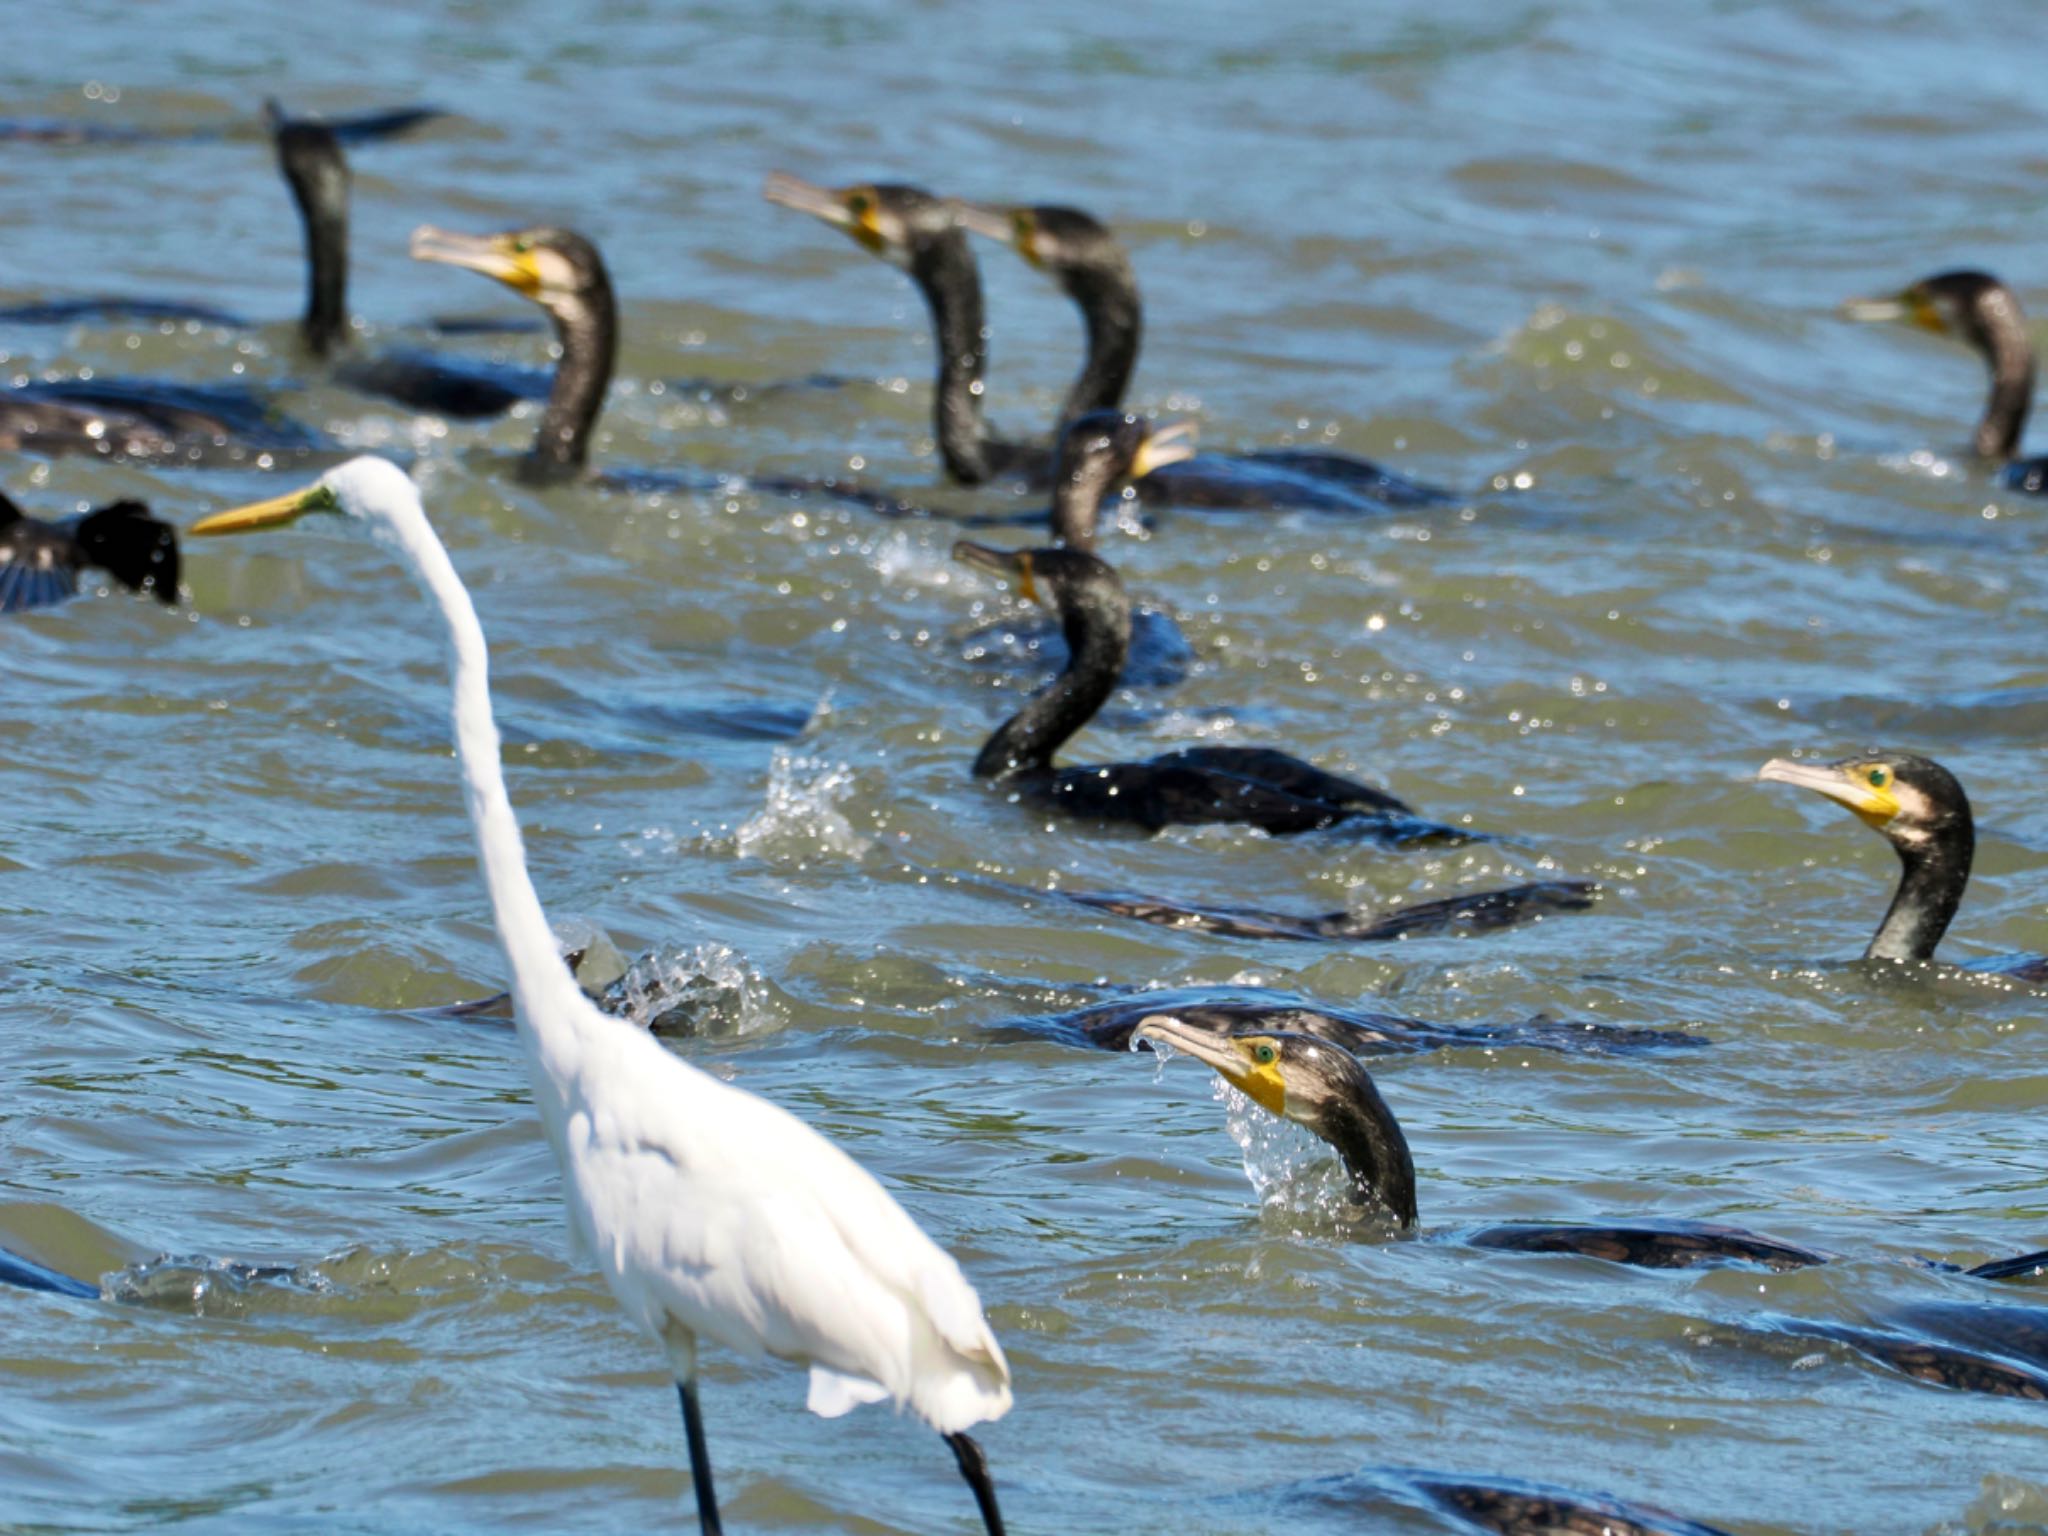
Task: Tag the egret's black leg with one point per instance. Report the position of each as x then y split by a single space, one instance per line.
700 1460
974 1467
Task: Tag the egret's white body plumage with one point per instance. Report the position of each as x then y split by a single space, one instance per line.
712 1213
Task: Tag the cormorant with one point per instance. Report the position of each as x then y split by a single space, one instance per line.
1226 1011
924 235
1326 1089
1099 453
1920 809
1258 786
1467 913
563 273
310 156
40 561
1981 312
1091 267
921 233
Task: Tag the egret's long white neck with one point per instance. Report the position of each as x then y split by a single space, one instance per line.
549 1005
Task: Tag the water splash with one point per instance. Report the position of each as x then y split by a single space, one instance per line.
207 1287
801 817
701 991
1294 1173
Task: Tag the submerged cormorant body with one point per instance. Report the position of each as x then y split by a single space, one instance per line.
1471 912
1498 1506
1226 1011
1981 312
40 561
1255 786
1326 1089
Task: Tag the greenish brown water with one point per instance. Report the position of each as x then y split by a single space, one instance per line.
1595 246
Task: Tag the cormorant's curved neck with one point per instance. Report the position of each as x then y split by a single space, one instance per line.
2002 334
944 270
1368 1138
322 197
1108 298
587 326
1077 503
1098 631
1936 873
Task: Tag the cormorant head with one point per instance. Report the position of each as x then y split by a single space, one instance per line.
1319 1086
556 268
1099 452
1914 801
885 219
1084 591
310 156
1052 239
1970 306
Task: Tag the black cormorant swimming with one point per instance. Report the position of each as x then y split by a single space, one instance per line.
1918 807
564 274
925 236
1981 312
40 561
1098 454
1325 1089
1092 268
922 234
1258 786
310 156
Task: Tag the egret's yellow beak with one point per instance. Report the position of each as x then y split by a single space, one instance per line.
1169 444
1864 788
507 257
1011 564
274 513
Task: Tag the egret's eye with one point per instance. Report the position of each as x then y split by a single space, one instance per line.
1265 1055
1878 776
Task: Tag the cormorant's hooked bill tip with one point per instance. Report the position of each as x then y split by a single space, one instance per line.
274 513
1874 310
1168 443
806 197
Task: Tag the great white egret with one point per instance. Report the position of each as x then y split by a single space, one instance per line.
712 1213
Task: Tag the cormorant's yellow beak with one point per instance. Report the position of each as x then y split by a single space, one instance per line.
851 210
1012 565
508 257
274 513
1865 788
1236 1058
1011 226
1169 444
1913 305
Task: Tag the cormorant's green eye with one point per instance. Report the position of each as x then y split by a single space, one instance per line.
1877 778
521 246
857 205
1265 1055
